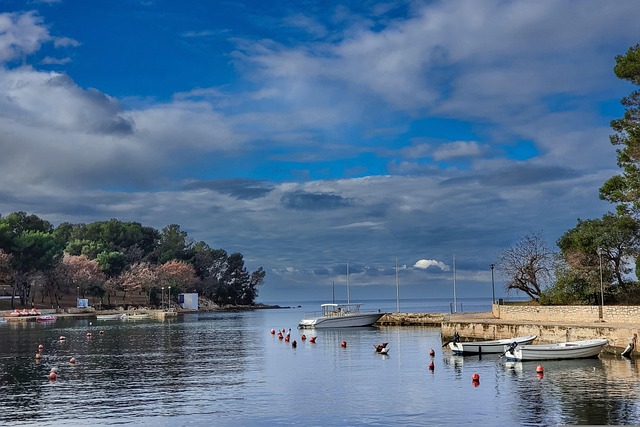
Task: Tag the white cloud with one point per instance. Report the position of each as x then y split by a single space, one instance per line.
423 264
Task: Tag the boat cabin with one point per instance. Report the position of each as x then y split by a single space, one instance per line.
335 310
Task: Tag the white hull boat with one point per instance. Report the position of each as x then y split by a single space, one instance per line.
340 316
118 316
565 350
488 347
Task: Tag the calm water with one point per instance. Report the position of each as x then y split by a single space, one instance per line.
227 369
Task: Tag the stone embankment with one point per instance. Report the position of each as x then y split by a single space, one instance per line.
617 326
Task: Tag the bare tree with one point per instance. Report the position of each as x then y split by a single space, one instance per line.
527 265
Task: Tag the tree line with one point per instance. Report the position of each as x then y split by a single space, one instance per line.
596 260
102 258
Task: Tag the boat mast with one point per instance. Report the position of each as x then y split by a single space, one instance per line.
397 289
333 292
455 303
348 295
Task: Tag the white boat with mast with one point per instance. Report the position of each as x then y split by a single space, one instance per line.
340 315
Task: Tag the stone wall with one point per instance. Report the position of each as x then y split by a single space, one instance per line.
568 313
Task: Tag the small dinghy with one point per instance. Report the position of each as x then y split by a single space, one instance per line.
564 350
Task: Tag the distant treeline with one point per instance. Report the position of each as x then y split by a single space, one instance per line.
101 258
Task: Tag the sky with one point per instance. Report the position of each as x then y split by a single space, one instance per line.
315 135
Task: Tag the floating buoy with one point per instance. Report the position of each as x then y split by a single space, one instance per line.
312 340
539 370
72 360
294 344
40 347
38 356
273 331
343 344
89 334
303 337
52 376
101 332
286 338
280 335
62 338
432 353
475 377
431 366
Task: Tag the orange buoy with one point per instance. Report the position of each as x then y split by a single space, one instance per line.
40 347
343 344
312 340
432 353
72 360
475 377
294 344
52 376
303 337
286 338
273 331
539 370
431 366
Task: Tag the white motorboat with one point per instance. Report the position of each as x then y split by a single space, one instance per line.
486 347
340 316
139 316
564 350
117 316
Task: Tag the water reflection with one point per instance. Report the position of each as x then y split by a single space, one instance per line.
228 369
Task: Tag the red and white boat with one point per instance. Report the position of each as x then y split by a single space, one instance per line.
46 318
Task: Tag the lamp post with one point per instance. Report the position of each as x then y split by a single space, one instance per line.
77 295
493 288
162 305
169 298
601 286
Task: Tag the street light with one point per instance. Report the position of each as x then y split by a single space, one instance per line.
169 299
162 305
493 288
601 286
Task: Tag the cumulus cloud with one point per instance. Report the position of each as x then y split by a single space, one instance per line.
423 264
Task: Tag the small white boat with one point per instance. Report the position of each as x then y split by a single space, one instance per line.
486 347
46 318
340 316
564 350
139 316
117 316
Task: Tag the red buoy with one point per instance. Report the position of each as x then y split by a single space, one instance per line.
539 370
294 344
72 360
286 338
343 344
52 376
40 347
432 353
273 331
280 335
431 366
303 337
475 377
312 340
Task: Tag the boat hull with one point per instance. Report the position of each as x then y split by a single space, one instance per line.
488 347
567 350
347 321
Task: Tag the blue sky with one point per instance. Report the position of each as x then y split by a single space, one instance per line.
306 134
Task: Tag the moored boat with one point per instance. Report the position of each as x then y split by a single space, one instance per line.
117 316
486 347
565 350
340 316
139 316
46 318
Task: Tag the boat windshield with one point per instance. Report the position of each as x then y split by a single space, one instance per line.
332 310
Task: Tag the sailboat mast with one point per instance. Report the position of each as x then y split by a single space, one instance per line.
455 302
397 289
348 295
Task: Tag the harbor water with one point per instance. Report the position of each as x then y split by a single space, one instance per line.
227 368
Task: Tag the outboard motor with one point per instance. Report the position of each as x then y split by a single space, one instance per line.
456 337
511 347
632 344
